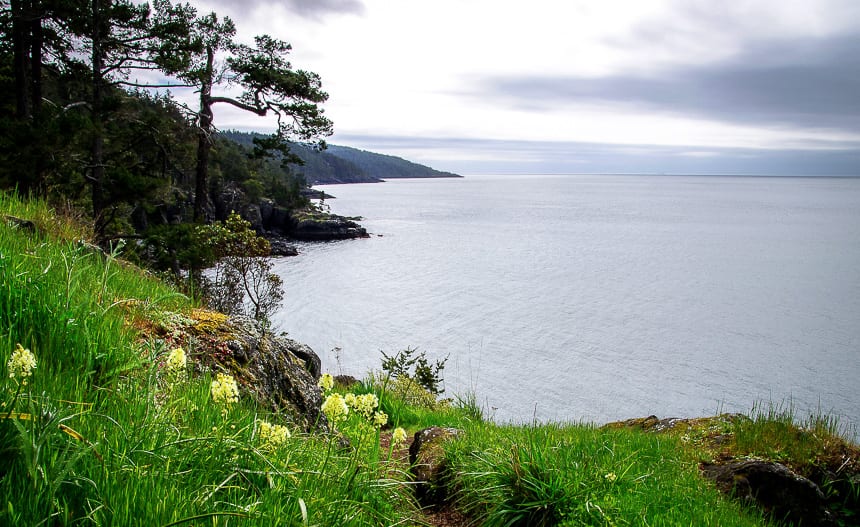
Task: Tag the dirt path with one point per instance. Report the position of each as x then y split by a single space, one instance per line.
445 517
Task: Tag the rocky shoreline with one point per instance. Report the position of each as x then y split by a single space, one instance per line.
281 374
282 226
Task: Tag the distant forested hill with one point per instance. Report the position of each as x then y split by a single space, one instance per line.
342 164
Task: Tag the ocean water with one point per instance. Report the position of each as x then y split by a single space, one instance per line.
596 298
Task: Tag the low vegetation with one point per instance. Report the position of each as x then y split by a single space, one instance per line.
104 422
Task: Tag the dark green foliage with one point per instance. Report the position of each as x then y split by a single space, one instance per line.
414 365
176 248
130 157
260 175
242 281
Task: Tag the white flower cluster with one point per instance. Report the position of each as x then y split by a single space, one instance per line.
21 364
326 382
335 408
224 390
363 404
379 419
398 436
273 436
176 364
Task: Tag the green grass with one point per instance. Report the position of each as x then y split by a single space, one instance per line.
103 435
579 475
100 436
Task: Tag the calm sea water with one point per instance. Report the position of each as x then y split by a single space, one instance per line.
597 297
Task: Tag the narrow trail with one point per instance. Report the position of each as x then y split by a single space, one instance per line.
444 517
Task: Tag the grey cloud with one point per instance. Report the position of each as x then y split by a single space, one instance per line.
313 9
483 156
801 82
317 8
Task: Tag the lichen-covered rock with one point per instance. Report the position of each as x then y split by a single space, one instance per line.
652 423
428 465
277 371
782 493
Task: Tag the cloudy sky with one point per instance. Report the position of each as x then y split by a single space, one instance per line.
579 86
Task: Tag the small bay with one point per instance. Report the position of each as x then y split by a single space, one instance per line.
598 297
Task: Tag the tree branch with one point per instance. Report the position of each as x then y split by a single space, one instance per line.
74 105
137 85
242 106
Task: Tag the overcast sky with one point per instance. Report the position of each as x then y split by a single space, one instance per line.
579 86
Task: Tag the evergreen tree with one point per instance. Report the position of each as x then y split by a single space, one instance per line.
270 84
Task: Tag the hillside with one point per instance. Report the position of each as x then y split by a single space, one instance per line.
104 410
343 164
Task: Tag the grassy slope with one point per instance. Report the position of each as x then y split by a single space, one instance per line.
103 435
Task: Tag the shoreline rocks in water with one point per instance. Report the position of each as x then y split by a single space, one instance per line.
280 225
314 226
281 246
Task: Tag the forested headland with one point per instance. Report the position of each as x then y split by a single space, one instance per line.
90 124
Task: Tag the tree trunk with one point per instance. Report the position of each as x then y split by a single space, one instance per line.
37 39
20 48
97 172
204 141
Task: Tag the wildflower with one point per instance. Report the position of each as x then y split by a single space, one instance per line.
335 408
398 436
21 364
365 404
326 382
379 419
176 362
350 400
273 436
610 477
224 390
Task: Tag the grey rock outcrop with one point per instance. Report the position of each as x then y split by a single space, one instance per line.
281 247
273 221
783 494
280 373
428 465
325 227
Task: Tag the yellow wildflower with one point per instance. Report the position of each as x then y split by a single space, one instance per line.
379 419
21 364
326 382
335 408
224 390
176 362
365 404
273 436
610 477
398 436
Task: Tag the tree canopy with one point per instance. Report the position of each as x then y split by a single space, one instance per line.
90 118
